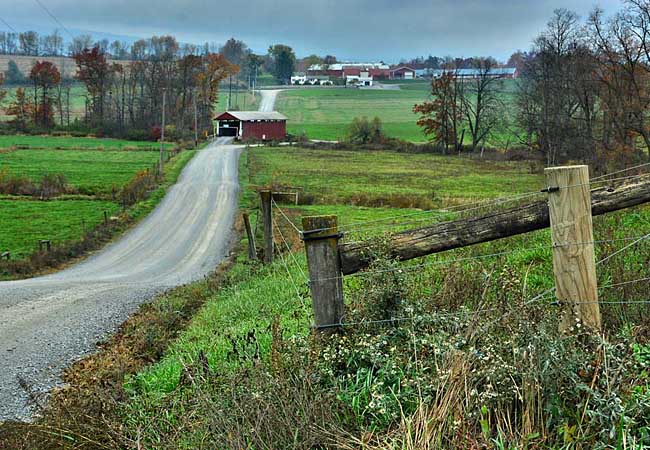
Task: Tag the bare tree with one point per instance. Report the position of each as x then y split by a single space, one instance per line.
481 102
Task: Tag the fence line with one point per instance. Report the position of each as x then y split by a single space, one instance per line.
483 204
637 239
286 217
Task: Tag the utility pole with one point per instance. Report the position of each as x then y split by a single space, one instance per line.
162 132
196 122
229 91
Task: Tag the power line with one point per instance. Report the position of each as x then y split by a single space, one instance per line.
54 18
7 25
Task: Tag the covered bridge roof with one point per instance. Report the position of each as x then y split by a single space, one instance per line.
247 116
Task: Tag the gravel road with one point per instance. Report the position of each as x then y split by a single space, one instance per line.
268 99
46 323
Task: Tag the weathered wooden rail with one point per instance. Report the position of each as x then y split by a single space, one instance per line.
465 232
569 212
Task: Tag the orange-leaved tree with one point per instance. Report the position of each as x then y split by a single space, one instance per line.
440 116
21 110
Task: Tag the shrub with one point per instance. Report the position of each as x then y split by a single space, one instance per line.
138 188
50 185
363 131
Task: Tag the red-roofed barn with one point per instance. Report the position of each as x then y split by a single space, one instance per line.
245 125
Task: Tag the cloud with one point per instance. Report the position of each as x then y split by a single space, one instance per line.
352 29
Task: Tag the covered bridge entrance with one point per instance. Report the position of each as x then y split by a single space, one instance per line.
245 125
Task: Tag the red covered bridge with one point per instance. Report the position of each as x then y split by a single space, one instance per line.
244 125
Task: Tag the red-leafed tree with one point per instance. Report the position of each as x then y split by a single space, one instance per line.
95 72
440 117
45 76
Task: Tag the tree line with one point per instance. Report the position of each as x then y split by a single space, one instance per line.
583 92
127 98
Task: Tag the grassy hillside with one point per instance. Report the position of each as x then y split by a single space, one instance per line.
326 113
450 351
368 177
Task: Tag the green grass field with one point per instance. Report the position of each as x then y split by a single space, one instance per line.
25 222
369 176
68 142
92 172
326 113
88 171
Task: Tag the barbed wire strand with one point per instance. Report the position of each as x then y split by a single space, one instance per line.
632 244
286 217
293 283
622 171
295 260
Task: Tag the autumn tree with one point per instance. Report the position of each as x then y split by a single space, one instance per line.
622 47
552 105
94 71
440 117
283 62
44 76
21 111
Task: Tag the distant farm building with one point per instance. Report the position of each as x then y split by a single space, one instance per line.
402 73
310 80
359 78
470 74
252 125
352 71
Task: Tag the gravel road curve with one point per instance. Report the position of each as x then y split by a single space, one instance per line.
46 323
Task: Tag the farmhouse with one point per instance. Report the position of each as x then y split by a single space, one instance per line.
245 125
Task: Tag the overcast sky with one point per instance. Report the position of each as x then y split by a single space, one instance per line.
350 29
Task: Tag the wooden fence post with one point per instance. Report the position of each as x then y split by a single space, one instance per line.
267 221
105 218
321 237
252 251
574 263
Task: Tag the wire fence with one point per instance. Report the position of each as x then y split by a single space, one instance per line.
420 216
362 226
